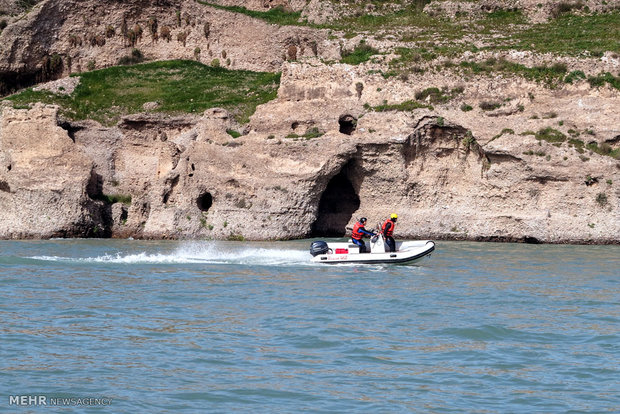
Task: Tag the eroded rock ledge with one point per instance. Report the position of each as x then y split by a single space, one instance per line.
156 176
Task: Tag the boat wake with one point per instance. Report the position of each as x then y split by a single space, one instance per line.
195 253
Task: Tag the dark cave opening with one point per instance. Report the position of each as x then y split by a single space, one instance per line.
205 201
338 203
347 123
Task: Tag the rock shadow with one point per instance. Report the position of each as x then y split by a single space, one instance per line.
338 203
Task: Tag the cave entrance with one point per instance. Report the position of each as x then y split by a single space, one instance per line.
205 201
347 124
338 203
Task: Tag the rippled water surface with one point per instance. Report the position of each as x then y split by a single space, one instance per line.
240 327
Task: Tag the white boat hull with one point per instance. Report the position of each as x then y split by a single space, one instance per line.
406 252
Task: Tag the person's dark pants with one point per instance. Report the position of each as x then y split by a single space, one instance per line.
361 244
391 243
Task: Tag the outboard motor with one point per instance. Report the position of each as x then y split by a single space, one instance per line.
318 247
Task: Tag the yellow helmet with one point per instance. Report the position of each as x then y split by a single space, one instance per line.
394 216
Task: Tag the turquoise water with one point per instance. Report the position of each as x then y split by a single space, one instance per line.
253 327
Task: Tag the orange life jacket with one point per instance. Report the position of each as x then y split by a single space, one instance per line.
390 231
356 234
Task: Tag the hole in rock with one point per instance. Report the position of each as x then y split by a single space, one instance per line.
205 201
347 123
338 203
94 188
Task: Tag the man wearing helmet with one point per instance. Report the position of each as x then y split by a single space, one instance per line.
388 229
358 232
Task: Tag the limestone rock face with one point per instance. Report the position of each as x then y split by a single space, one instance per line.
536 11
59 37
44 178
179 177
338 143
264 5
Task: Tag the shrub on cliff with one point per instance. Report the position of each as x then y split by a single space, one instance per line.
233 133
165 33
360 53
604 149
566 7
96 40
75 40
27 4
182 37
601 199
114 198
436 95
135 57
550 135
600 80
51 66
406 106
489 106
153 25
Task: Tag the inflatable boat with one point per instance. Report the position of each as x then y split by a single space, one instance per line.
348 252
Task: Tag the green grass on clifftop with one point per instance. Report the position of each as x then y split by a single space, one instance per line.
178 86
571 35
277 15
564 34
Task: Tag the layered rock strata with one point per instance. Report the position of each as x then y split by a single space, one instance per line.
156 176
335 145
59 37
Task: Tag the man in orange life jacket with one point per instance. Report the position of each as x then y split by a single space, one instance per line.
358 232
388 229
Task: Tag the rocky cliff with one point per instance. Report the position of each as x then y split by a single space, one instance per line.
336 144
59 37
